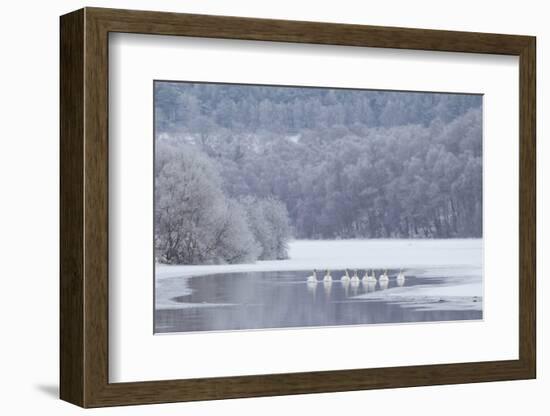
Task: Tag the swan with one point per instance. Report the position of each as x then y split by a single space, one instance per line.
371 278
313 277
355 278
384 277
345 277
401 275
328 277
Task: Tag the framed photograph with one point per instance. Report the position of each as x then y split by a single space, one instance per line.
254 207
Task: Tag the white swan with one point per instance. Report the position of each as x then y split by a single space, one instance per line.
313 277
401 275
345 277
355 278
369 278
328 277
384 277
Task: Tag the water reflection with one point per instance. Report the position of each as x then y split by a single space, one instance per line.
345 285
283 299
312 287
369 286
355 288
327 286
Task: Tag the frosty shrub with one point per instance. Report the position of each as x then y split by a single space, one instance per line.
194 222
269 221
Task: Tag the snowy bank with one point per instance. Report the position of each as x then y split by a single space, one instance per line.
353 254
459 260
462 289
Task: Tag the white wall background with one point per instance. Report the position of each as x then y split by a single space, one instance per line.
29 225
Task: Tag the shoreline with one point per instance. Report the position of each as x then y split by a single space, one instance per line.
458 260
351 254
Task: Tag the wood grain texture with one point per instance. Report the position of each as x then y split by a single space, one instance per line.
226 27
71 185
84 207
527 208
96 208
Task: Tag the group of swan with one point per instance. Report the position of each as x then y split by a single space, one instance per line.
355 278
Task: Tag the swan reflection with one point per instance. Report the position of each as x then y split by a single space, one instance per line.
345 285
354 287
327 286
312 287
369 286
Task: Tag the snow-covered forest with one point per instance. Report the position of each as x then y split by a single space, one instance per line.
239 169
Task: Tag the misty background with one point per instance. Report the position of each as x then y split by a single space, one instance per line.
241 169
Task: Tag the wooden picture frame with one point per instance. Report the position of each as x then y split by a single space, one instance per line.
84 207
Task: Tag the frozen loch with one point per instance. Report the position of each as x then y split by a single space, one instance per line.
427 280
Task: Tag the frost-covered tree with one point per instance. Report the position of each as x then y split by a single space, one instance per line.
233 241
269 221
334 163
276 216
194 222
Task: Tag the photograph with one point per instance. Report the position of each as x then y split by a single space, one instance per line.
279 205
284 206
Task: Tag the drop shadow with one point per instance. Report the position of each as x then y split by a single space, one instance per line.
51 390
